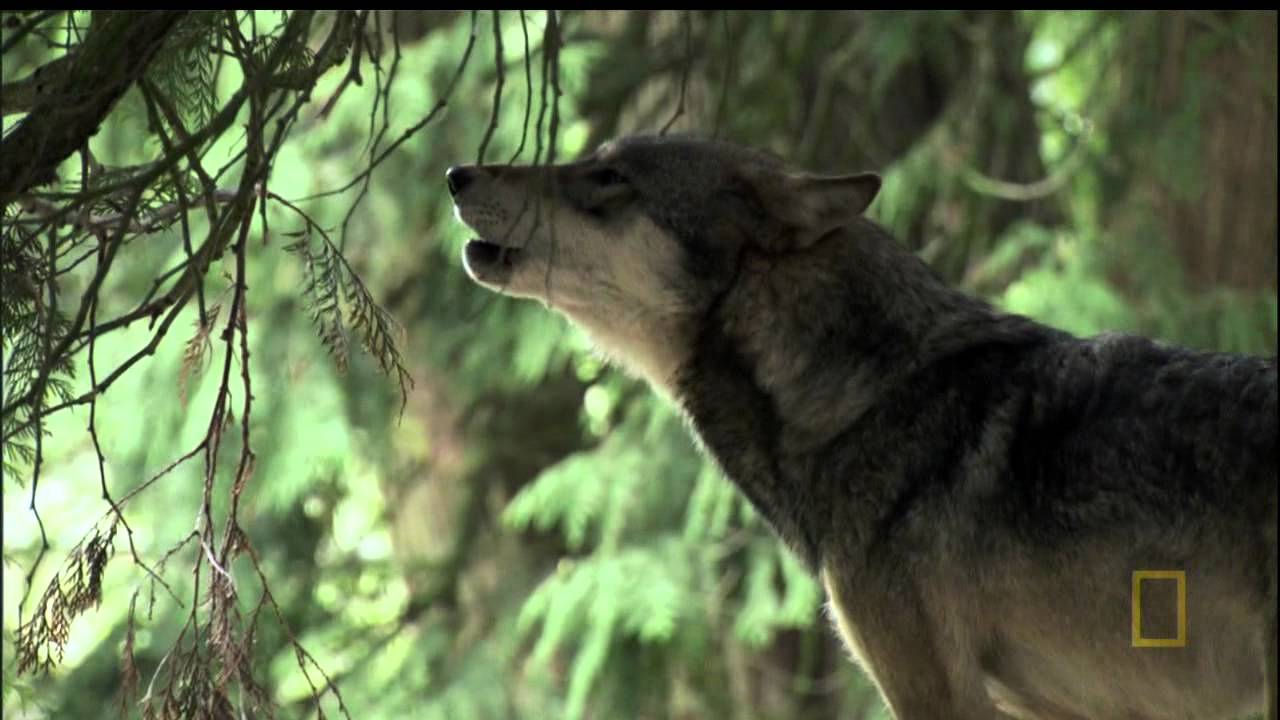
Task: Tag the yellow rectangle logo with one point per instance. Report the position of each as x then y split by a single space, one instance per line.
1181 577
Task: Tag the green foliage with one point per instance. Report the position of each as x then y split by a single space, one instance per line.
650 527
186 69
1066 266
334 290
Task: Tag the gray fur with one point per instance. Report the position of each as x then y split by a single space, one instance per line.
974 489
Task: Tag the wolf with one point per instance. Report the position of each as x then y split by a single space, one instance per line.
983 498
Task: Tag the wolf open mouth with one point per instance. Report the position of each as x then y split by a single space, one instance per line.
488 260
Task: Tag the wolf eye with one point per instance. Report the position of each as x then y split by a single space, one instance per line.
602 192
607 177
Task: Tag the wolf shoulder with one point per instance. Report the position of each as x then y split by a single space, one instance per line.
1140 384
1120 413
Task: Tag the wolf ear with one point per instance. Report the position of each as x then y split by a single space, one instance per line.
806 206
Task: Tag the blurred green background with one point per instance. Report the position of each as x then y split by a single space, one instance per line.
535 535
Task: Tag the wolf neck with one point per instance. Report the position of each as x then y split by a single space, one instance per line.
646 345
796 353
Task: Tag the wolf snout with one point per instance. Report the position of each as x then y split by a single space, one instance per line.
459 177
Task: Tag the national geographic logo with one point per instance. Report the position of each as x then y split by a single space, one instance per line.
1160 601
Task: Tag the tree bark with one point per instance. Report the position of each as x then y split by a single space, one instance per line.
116 51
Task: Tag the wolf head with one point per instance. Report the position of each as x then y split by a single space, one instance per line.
636 241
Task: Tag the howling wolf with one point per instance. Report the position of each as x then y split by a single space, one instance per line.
984 498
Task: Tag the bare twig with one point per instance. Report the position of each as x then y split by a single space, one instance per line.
551 45
528 93
45 214
542 96
97 448
412 129
381 99
684 74
1026 192
498 63
729 64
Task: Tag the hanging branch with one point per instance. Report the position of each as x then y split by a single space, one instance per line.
499 62
551 43
528 92
110 207
412 129
684 73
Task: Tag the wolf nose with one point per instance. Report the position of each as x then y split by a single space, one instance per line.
459 178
